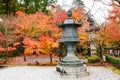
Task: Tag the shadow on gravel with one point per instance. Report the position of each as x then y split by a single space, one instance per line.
1 67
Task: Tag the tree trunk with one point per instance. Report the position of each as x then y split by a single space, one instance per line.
51 58
7 8
99 51
24 57
59 58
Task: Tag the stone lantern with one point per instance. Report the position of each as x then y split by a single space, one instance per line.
92 29
70 65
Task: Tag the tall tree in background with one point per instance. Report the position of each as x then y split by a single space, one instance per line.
110 32
7 30
114 22
28 6
78 2
8 7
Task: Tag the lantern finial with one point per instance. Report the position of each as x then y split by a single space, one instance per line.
69 13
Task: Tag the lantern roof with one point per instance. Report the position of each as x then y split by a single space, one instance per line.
70 21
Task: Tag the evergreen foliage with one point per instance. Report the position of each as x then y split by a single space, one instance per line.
93 59
10 7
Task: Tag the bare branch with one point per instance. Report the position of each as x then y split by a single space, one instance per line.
113 1
87 14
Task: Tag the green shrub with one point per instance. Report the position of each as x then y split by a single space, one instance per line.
93 59
84 53
29 64
2 61
1 55
81 57
113 60
49 64
15 53
18 51
42 64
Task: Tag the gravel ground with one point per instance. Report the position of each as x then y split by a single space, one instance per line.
48 73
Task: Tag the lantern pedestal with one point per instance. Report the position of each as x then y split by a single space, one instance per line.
93 49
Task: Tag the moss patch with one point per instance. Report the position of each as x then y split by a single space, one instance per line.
114 69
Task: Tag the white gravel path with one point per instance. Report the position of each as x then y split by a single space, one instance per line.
48 73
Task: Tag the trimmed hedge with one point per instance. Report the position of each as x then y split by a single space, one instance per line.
113 60
2 61
93 59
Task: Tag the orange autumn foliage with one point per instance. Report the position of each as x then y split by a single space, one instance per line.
114 23
47 44
33 24
29 45
59 16
38 24
114 14
78 14
111 32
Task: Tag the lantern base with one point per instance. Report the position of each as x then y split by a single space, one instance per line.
71 72
71 67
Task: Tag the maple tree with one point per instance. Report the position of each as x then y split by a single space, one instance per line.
1 43
114 23
47 45
109 33
33 26
7 35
